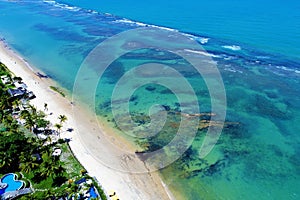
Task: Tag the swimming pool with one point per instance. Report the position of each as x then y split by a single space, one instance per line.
93 193
12 183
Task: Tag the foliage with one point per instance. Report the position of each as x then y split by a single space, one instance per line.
100 190
62 118
58 90
11 144
22 151
34 118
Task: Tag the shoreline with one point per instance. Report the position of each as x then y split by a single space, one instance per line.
127 184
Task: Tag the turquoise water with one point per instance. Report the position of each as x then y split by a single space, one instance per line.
257 155
12 183
269 25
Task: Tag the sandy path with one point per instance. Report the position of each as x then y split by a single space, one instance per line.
127 185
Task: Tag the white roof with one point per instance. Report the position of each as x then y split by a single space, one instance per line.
20 85
5 79
56 152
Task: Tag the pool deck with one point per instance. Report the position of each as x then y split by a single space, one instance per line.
14 194
9 181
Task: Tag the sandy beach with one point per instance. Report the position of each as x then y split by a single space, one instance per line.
127 184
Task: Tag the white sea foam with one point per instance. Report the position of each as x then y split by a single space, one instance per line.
227 57
191 37
230 69
164 28
92 11
127 21
63 6
262 57
232 47
284 68
202 53
203 40
50 2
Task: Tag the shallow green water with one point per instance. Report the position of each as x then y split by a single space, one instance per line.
257 155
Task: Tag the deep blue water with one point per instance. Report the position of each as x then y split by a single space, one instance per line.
268 25
255 46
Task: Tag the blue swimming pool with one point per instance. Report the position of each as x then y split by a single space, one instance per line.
93 193
12 183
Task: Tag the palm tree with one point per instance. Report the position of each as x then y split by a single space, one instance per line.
34 118
58 128
24 114
33 110
34 142
49 140
29 123
29 119
8 120
47 165
15 103
42 123
51 166
49 194
59 169
4 103
1 115
72 190
62 118
27 165
5 162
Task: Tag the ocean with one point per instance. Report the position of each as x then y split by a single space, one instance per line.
272 26
255 45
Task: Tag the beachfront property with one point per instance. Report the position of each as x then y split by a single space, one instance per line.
20 85
16 93
19 90
5 79
252 44
11 187
35 153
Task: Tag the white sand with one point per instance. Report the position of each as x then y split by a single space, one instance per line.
127 185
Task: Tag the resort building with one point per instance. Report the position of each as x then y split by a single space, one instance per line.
16 92
5 79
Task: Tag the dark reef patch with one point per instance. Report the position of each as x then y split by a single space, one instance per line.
166 91
114 72
133 98
271 94
262 106
62 33
150 88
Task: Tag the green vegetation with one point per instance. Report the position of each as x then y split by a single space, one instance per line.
58 90
100 190
4 70
31 158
